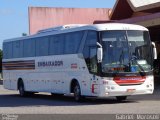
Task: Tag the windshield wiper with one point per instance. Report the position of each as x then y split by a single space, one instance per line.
121 58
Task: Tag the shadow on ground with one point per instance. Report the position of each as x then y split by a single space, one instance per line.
48 100
14 100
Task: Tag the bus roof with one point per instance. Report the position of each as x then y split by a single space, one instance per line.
80 27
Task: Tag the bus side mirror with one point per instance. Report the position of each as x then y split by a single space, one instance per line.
99 52
99 55
154 50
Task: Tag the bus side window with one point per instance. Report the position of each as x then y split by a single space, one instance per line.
89 51
7 50
56 45
29 48
17 49
72 42
42 44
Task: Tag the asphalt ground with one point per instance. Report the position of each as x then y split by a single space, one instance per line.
44 103
44 106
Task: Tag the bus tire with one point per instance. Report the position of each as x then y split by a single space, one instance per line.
30 93
21 89
77 92
121 98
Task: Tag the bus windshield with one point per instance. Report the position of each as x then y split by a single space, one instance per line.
126 51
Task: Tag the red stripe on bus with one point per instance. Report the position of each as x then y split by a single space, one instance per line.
129 80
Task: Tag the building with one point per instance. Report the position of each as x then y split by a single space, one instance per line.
142 12
44 17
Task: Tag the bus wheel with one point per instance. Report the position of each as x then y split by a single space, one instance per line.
121 98
21 89
77 92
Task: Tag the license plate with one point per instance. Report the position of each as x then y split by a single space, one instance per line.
131 90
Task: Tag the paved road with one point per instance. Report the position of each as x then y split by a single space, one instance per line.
12 103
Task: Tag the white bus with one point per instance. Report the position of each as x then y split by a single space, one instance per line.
88 60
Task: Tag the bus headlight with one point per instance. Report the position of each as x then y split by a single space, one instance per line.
107 93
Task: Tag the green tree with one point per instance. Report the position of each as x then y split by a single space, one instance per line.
1 56
24 34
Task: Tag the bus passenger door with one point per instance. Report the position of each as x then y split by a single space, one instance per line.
93 70
90 55
89 75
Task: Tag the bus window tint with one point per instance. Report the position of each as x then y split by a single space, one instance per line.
42 46
56 45
17 49
72 42
90 41
7 50
29 48
89 51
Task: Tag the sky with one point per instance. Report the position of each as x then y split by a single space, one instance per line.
14 13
